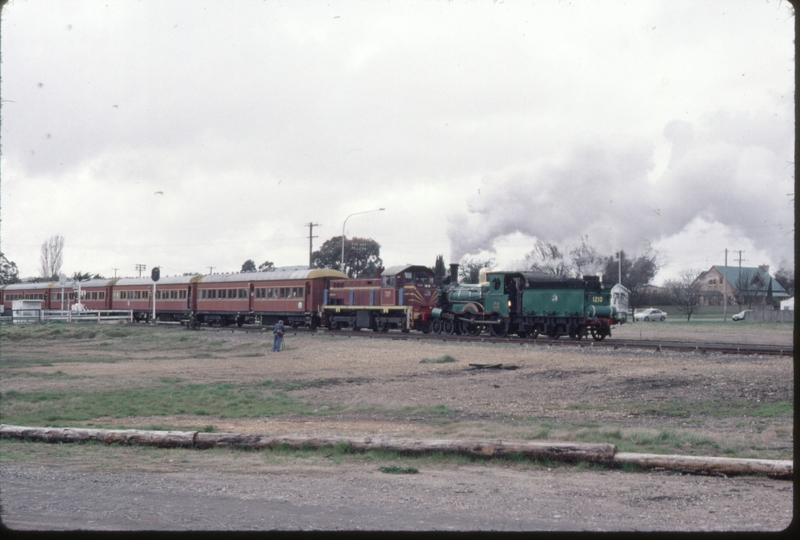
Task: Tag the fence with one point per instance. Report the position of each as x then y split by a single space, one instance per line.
771 315
34 316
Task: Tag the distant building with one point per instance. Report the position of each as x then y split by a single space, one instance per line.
745 286
619 297
788 304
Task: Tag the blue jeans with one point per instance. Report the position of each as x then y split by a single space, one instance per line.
276 342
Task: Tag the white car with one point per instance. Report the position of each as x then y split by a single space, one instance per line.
649 315
741 315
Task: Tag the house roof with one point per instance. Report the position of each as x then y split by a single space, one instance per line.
734 272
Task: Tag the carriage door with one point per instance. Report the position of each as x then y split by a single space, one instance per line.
251 294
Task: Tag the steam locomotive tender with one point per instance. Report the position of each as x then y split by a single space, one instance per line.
526 304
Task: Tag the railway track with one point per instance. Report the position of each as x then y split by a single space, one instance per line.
697 347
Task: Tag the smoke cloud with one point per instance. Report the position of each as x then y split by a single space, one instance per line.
734 170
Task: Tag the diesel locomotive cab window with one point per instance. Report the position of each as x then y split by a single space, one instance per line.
388 281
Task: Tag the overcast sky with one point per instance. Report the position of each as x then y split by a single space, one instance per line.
197 134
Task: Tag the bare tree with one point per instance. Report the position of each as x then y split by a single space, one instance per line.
52 257
547 258
585 259
685 291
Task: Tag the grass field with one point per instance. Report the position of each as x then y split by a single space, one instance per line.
169 378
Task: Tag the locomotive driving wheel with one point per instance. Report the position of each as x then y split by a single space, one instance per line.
501 328
448 327
469 328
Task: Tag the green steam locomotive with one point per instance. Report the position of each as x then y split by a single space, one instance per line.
526 304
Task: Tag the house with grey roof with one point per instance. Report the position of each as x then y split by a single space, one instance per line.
744 286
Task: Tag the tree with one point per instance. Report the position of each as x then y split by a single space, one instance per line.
361 256
469 269
585 260
266 266
745 290
581 260
685 291
80 276
439 271
637 273
249 266
9 273
51 257
547 258
785 277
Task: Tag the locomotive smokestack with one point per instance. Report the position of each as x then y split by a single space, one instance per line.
453 273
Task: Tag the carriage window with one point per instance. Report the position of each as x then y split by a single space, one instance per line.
182 294
242 293
231 293
173 295
158 294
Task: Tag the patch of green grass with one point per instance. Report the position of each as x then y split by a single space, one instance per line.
292 385
395 469
226 400
440 360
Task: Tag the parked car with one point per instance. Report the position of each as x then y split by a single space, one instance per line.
649 315
741 315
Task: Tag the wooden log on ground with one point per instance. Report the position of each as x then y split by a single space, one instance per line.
570 452
166 439
603 453
774 468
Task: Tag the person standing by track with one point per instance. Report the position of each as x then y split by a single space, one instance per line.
277 336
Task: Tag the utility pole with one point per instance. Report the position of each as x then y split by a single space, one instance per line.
115 272
210 269
141 267
311 236
725 290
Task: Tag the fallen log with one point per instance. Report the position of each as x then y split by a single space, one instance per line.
601 453
165 439
569 452
774 468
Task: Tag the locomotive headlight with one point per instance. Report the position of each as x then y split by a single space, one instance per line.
509 303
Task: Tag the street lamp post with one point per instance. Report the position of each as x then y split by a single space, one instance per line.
341 265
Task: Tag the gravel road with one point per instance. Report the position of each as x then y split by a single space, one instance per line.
357 497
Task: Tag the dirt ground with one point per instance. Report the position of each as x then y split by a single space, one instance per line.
385 387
